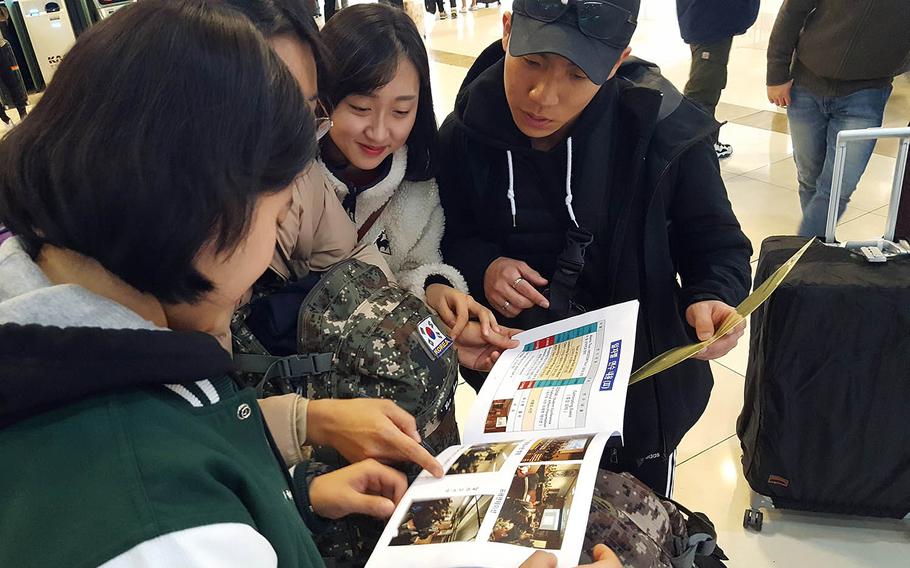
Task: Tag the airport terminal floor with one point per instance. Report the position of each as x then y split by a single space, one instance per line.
761 183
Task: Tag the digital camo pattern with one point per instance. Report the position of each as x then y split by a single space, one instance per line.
643 530
371 329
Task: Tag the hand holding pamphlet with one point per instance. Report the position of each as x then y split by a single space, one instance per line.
761 294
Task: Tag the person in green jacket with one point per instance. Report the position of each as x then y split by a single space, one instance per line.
144 192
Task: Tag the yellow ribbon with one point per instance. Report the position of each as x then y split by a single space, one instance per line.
757 298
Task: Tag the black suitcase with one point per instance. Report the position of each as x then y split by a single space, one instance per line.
824 426
827 392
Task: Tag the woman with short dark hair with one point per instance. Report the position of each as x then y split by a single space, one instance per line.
145 190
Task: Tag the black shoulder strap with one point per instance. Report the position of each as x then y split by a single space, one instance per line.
701 548
292 367
569 265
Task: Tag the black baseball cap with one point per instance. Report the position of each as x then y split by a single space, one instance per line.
590 33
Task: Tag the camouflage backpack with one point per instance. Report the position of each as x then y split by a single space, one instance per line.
353 336
645 530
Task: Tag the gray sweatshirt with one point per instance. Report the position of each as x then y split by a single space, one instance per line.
28 297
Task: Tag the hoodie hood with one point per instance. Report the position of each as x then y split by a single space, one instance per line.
61 343
482 112
482 109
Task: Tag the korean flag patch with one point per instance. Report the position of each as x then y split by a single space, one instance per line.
433 339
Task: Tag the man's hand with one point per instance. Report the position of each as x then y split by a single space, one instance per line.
368 428
780 94
479 351
603 558
706 317
511 287
367 488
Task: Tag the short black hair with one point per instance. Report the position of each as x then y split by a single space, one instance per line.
161 129
275 18
367 41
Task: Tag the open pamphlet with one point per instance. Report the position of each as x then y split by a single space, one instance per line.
524 478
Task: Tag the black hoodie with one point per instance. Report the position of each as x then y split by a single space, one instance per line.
645 180
44 368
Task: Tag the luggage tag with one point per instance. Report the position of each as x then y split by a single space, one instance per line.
433 339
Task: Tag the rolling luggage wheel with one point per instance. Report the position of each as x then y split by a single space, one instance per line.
752 519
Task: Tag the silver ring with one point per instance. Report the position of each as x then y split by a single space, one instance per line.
517 282
506 305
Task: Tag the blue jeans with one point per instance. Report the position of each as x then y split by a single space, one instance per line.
814 124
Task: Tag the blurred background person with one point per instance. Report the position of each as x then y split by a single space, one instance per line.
708 26
831 64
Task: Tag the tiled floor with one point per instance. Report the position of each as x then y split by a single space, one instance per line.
761 183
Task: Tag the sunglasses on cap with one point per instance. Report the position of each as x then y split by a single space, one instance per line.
596 19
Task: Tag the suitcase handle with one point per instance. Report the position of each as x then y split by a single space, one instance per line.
840 159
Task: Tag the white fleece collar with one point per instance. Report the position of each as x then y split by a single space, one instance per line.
372 199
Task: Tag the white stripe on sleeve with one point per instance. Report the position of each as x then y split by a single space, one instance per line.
209 390
226 545
186 395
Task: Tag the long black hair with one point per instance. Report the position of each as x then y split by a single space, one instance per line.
162 128
367 41
275 18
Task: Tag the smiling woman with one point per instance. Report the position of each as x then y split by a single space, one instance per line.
381 158
382 95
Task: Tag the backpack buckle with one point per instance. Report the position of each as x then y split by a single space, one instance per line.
304 365
572 259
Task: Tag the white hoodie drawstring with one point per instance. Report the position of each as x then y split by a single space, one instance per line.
510 194
569 182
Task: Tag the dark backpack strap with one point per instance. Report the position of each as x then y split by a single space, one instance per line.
569 265
371 220
292 276
701 549
292 367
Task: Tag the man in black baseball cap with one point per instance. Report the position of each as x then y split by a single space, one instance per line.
576 177
594 36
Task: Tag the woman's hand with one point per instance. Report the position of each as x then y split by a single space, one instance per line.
364 428
511 287
706 317
367 488
603 558
479 351
456 308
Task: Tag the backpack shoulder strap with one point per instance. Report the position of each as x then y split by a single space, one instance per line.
295 366
569 265
701 550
